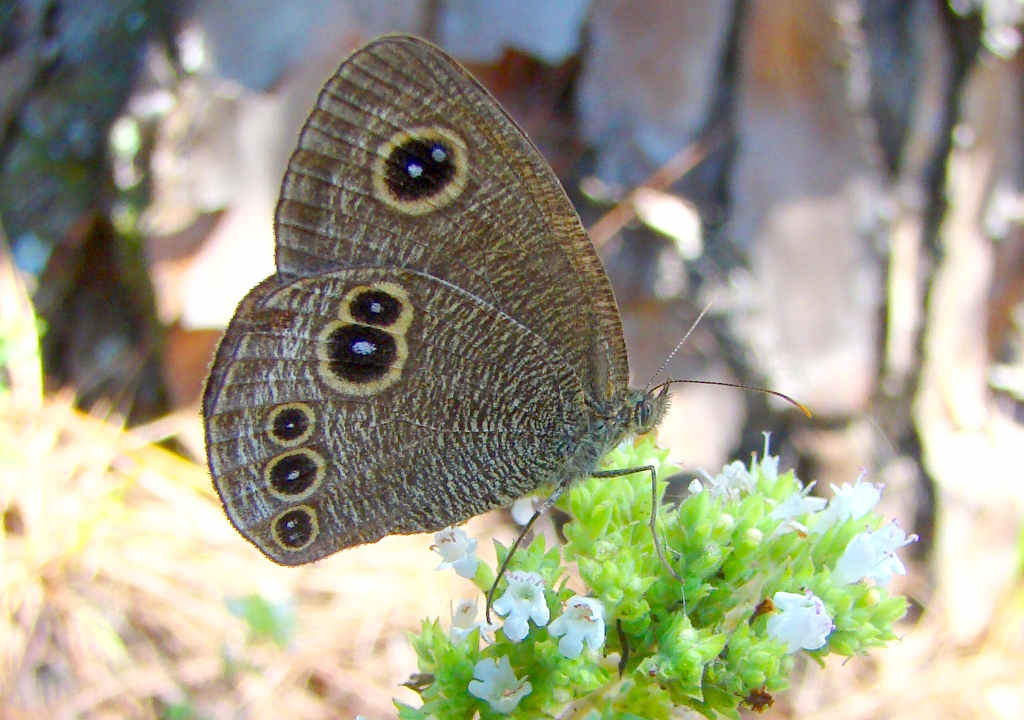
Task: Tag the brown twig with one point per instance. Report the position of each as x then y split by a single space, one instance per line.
609 224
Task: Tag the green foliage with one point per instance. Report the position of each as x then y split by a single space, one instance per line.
19 346
180 711
704 643
265 619
1020 553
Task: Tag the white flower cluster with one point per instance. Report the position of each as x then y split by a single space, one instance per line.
801 620
581 623
870 554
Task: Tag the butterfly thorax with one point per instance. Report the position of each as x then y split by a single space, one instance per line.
639 412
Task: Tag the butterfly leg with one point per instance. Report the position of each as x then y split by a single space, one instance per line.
543 508
624 644
654 509
553 498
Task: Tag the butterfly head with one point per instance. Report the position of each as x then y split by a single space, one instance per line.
647 408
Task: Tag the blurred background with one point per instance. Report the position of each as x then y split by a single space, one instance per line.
843 181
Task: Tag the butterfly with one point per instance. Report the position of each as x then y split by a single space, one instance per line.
440 337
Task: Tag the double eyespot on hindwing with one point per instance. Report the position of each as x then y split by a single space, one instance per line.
364 350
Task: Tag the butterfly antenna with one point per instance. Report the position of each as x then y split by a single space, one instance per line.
795 403
679 344
693 326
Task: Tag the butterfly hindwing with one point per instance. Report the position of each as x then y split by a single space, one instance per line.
364 402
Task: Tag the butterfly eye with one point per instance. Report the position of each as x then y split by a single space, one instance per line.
642 414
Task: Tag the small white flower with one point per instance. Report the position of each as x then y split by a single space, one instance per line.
873 555
797 505
734 481
522 601
800 621
788 526
464 622
457 550
582 621
523 509
849 502
494 681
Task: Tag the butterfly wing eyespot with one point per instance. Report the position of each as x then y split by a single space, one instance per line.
382 304
376 307
360 359
420 170
290 424
295 475
295 529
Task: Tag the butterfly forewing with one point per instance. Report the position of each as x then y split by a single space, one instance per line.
507 234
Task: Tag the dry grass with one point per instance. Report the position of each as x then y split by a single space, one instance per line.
118 569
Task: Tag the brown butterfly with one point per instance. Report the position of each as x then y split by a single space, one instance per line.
440 337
